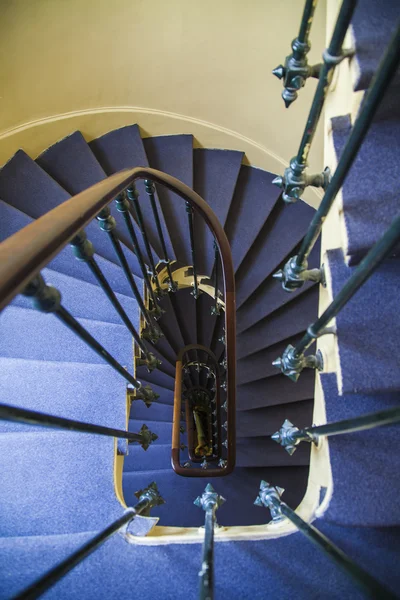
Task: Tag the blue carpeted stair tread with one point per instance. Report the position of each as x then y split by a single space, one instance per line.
166 394
173 154
187 309
158 411
162 428
64 483
370 191
270 295
253 200
275 390
265 421
123 149
46 338
209 165
157 456
169 323
264 452
284 322
85 300
368 328
73 390
283 230
371 499
259 365
373 24
239 489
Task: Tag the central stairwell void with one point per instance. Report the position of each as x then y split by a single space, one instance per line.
159 305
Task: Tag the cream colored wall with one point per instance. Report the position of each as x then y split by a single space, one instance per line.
174 66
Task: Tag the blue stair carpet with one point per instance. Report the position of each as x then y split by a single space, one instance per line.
278 389
370 191
265 421
372 497
253 201
368 328
123 149
173 154
267 564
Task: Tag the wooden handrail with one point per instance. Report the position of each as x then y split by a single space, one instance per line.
24 254
231 416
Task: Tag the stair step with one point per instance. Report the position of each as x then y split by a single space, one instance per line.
265 421
264 452
186 307
46 338
270 295
259 365
123 149
173 154
370 189
372 24
283 230
239 489
368 328
91 393
209 165
275 390
156 457
254 198
361 462
156 412
58 478
157 377
166 395
169 323
161 428
282 324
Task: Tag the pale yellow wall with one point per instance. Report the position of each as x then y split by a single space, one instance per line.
111 63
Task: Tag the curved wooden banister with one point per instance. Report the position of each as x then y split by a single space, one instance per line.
24 254
231 416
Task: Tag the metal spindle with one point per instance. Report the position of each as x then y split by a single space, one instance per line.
190 211
32 417
294 181
107 224
133 197
123 207
370 105
293 360
84 251
210 501
289 436
296 70
269 497
215 310
149 498
151 190
47 299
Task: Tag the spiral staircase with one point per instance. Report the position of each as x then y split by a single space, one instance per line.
60 488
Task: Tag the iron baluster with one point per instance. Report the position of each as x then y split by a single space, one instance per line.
123 207
48 299
210 501
32 417
296 70
294 180
133 197
371 102
289 436
190 213
151 190
84 251
149 498
293 360
269 497
215 310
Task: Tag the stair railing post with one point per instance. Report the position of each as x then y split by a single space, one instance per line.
296 70
289 436
294 181
210 501
216 309
293 360
270 497
190 214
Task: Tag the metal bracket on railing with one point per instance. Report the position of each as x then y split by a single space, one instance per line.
209 499
296 71
292 364
144 393
152 334
294 276
265 498
290 436
148 437
294 181
150 361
